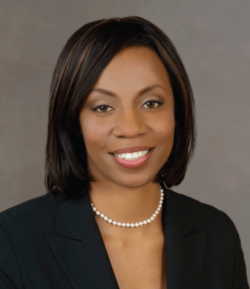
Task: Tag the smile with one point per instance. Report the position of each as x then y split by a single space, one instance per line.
132 156
132 160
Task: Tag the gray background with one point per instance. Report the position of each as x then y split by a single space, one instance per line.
213 39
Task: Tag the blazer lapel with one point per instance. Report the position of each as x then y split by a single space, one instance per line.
79 247
185 245
80 251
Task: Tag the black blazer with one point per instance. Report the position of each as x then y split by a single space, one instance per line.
50 243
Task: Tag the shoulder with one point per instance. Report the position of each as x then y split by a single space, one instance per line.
223 244
34 213
206 216
22 229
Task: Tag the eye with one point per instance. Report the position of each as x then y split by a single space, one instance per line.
100 107
159 103
103 108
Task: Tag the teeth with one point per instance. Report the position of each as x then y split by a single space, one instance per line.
132 156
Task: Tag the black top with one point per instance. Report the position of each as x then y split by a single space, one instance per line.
50 243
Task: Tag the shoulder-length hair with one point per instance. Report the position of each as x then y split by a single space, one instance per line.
82 60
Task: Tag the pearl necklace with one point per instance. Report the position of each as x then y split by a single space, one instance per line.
132 225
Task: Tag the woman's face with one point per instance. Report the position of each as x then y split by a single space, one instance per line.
119 114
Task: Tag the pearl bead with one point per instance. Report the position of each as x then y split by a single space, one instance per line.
132 225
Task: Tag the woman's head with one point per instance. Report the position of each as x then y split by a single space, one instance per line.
131 105
91 59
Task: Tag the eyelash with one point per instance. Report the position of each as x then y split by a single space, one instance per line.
155 101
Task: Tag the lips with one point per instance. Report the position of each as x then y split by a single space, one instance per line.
132 164
131 150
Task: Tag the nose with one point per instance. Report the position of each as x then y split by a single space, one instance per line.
129 123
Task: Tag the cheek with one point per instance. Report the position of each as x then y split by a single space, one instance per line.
165 128
93 133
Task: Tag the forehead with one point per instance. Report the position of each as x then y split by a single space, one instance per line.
134 68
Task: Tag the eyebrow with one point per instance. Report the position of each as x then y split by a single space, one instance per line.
144 90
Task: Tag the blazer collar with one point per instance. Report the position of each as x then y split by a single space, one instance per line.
79 248
185 244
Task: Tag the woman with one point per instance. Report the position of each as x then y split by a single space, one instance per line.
120 134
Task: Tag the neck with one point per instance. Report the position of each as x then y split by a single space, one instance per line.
126 205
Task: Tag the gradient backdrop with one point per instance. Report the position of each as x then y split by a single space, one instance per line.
213 39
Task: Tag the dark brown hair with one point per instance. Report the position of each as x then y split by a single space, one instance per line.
83 58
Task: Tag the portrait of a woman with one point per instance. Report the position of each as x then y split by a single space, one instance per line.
121 133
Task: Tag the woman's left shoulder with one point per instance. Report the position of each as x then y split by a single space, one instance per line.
223 244
205 216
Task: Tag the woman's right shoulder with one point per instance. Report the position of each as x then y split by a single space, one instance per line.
22 228
34 211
